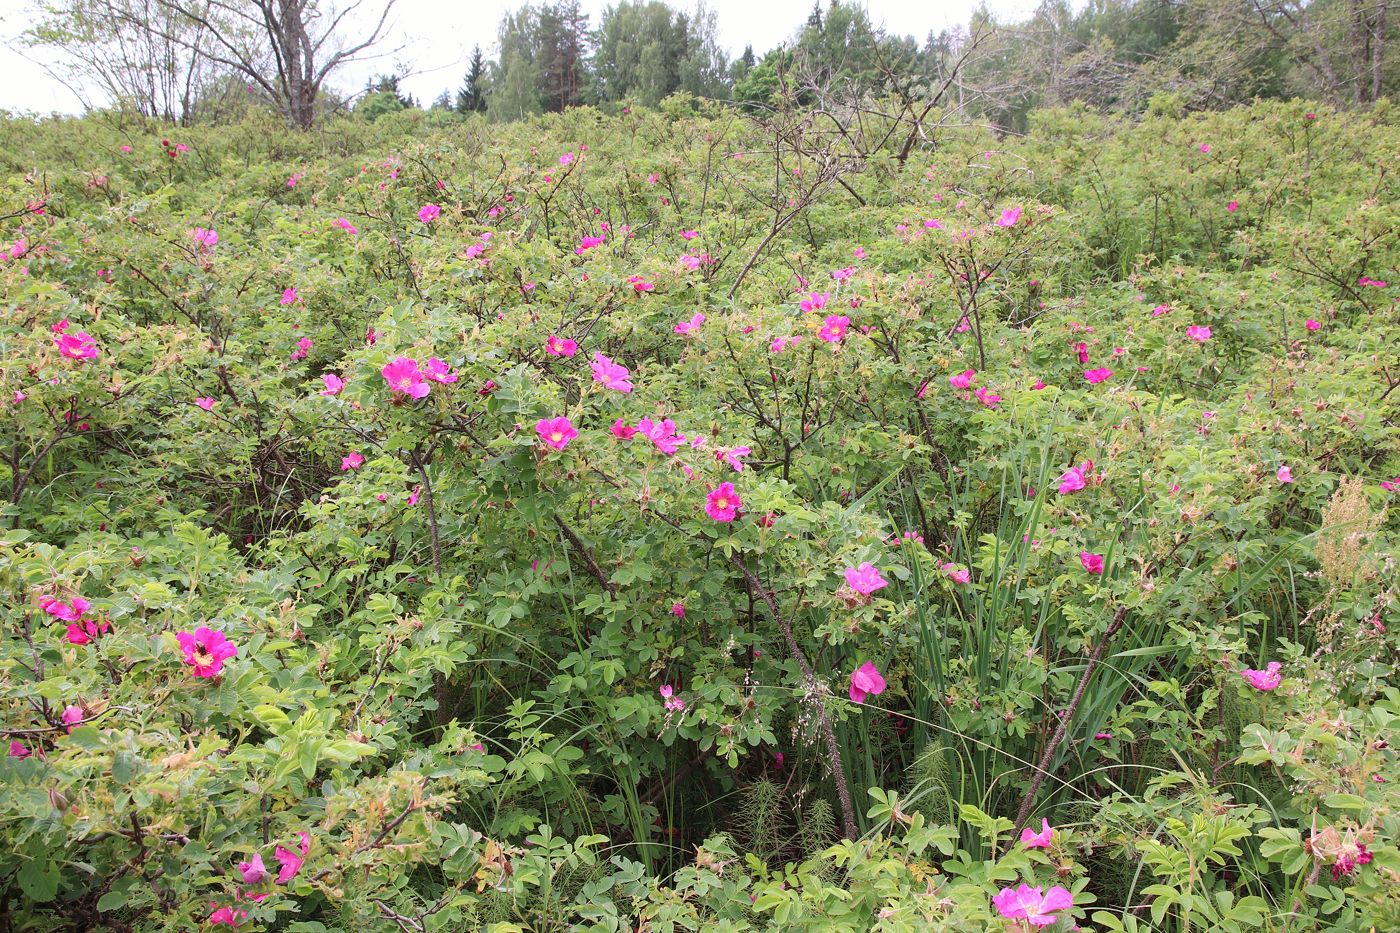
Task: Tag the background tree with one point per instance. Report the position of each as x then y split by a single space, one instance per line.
288 48
139 53
471 97
515 80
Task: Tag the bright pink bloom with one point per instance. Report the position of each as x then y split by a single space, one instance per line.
334 384
662 434
228 916
79 346
612 375
1072 480
85 631
1310 324
289 295
865 579
1027 903
404 378
68 612
640 284
678 610
621 429
18 750
204 239
1040 840
556 432
1082 349
1009 217
963 379
816 301
1092 562
723 503
438 371
254 872
304 346
566 159
690 326
289 862
834 328
206 402
72 716
689 234
866 681
954 573
1205 147
733 456
1285 475
673 704
1265 680
412 498
206 650
345 225
560 346
1095 376
429 213
352 461
588 242
1232 206
1198 332
987 397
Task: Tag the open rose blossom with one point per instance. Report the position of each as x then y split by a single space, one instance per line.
79 346
1265 680
866 680
405 379
612 375
722 504
1092 562
865 579
556 432
206 650
1095 376
1027 903
1038 840
560 346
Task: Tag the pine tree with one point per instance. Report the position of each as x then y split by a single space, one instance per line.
472 96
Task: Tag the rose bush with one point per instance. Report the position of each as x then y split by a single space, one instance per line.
727 527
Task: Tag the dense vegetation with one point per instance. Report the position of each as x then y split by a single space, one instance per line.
669 521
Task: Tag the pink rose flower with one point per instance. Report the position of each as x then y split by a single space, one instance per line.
206 650
556 432
866 681
723 503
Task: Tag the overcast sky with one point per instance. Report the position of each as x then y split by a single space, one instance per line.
438 35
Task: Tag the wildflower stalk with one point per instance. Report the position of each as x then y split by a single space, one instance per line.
1043 768
809 681
432 514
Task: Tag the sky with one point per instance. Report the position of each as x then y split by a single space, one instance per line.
437 36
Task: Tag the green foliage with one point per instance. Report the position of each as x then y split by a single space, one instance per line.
501 681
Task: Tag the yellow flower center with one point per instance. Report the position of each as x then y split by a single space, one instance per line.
556 436
721 503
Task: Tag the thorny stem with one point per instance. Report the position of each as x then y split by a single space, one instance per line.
1043 768
809 679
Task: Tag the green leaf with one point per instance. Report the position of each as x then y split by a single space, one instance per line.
39 880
